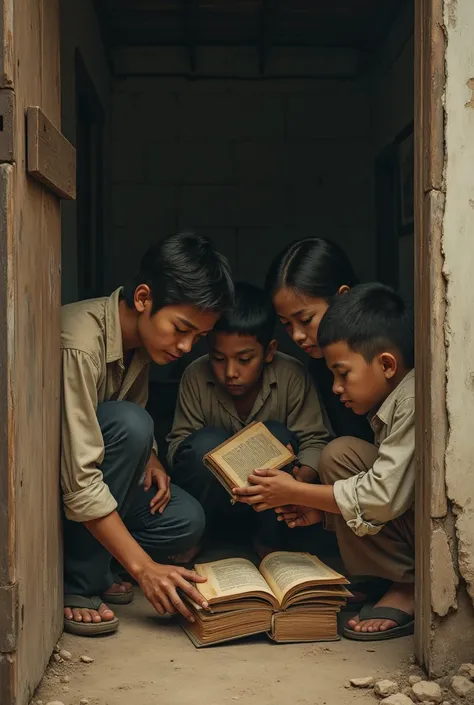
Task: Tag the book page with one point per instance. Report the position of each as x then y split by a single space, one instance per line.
254 447
229 577
283 570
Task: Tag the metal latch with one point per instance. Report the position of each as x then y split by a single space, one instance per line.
7 121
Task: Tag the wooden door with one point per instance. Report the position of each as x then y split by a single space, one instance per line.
35 167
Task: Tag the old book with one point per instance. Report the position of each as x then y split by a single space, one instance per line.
254 447
290 596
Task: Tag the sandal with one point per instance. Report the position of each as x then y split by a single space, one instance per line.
405 622
87 628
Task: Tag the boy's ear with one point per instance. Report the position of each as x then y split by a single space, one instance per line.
389 364
343 289
142 297
271 350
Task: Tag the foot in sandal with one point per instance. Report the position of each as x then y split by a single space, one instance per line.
389 618
88 616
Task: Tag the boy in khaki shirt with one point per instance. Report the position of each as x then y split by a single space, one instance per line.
367 493
243 380
117 497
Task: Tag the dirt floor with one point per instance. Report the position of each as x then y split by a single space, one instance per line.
150 660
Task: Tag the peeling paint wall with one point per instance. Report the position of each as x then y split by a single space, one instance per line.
458 245
452 540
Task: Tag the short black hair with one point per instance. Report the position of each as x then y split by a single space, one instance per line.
370 318
251 314
184 268
313 267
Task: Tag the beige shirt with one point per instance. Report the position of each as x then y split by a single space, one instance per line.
287 395
93 371
387 490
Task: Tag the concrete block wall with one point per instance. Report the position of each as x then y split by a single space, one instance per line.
253 164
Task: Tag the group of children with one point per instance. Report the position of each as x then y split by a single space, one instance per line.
349 420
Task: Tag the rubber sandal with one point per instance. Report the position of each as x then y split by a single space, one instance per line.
87 628
118 598
405 622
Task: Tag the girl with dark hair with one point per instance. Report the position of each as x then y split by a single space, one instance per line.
303 280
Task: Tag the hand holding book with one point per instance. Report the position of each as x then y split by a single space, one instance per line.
267 489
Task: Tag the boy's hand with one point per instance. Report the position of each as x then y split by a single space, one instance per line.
269 489
160 585
295 515
155 474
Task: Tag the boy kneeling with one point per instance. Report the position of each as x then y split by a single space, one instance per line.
368 492
243 379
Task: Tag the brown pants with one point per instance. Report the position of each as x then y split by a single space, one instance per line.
388 554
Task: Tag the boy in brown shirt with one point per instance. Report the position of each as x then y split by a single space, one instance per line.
367 493
242 380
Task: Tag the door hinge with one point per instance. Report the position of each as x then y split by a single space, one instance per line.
7 123
8 618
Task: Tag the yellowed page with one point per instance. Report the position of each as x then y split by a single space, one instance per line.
284 570
254 447
229 577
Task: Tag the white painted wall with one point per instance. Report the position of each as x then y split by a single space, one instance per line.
254 164
458 271
79 28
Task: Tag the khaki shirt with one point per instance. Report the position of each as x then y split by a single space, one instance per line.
386 491
93 371
287 395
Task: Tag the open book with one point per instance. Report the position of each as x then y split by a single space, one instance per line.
291 597
254 447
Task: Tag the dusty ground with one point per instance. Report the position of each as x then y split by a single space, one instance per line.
151 661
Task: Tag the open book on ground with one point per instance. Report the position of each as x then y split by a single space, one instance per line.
291 597
254 447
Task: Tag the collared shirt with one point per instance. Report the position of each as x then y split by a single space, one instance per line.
286 395
93 371
386 491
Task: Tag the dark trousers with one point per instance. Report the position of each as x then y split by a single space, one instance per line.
239 519
127 430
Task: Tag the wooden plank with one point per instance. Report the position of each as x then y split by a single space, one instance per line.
8 618
7 678
430 364
7 508
7 125
6 44
51 158
34 326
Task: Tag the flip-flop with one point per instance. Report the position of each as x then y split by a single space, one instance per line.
118 598
87 628
405 622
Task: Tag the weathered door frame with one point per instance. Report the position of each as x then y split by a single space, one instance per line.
430 353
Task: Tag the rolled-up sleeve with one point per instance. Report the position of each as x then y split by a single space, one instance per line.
386 491
85 494
305 419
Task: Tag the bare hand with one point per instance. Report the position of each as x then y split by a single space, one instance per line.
155 474
160 584
295 515
269 489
